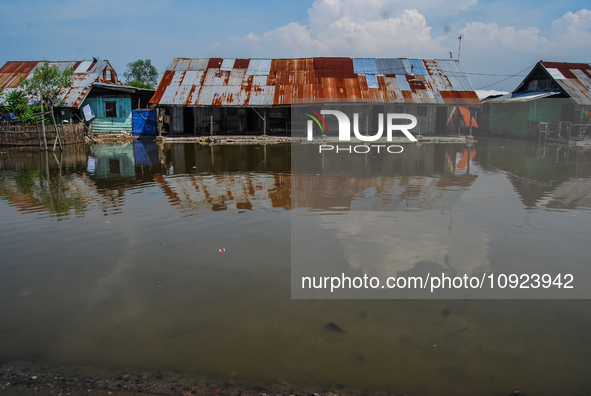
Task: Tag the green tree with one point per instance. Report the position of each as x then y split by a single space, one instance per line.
49 84
141 74
138 84
17 102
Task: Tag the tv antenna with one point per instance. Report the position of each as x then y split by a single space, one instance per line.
459 45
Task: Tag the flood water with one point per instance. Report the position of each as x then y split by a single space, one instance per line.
110 257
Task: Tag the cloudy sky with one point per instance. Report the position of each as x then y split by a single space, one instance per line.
500 37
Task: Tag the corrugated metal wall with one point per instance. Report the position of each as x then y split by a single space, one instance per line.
511 119
101 123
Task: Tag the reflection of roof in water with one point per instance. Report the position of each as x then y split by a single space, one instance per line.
572 194
391 193
262 191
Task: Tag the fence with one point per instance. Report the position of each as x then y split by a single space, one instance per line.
559 130
25 135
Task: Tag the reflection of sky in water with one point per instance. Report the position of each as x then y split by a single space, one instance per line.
85 289
457 224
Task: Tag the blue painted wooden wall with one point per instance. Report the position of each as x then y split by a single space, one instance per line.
102 123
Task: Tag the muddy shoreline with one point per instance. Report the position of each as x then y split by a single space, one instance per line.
258 139
24 378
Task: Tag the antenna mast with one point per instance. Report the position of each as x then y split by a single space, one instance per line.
459 45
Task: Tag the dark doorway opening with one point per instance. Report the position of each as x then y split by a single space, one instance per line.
441 120
188 121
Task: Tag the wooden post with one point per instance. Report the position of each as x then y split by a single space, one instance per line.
158 126
43 126
470 112
211 123
38 134
469 156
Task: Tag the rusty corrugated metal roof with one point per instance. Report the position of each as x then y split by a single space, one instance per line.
86 73
268 82
573 78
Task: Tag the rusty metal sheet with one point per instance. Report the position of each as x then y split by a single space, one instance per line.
190 79
389 66
417 67
259 67
214 63
456 75
555 73
402 82
576 90
365 66
183 64
261 94
573 78
173 87
372 81
86 73
83 67
264 82
227 64
75 96
241 63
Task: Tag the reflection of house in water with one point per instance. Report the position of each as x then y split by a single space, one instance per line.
572 194
544 176
393 193
246 191
109 161
54 184
422 177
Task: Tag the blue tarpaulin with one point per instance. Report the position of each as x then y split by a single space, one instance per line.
144 123
145 153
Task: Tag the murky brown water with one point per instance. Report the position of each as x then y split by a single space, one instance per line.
110 258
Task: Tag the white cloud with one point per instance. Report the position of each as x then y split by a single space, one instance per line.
324 12
390 28
573 24
348 28
492 38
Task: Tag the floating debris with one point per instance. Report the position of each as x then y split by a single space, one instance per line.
334 327
459 331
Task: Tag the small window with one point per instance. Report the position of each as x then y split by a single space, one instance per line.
111 109
422 111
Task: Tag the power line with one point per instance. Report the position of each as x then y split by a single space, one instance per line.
505 79
497 75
